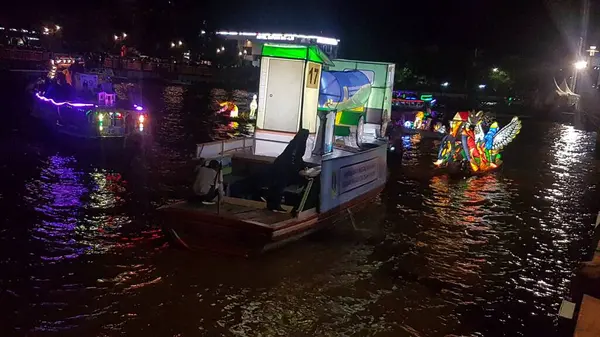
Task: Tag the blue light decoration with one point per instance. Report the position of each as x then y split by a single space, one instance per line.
408 124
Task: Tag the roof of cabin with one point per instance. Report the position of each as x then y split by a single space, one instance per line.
298 52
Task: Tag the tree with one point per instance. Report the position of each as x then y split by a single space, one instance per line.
404 76
500 80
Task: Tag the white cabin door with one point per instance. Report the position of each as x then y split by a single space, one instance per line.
284 94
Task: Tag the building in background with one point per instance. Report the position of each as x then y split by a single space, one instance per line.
248 45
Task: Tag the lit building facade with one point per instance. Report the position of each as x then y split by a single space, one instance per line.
249 45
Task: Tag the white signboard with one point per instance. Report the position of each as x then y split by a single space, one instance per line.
348 177
357 175
277 37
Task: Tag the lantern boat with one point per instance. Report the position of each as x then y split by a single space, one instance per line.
84 105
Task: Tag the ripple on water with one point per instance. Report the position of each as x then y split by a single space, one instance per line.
484 256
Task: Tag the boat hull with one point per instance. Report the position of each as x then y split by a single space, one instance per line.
81 123
211 232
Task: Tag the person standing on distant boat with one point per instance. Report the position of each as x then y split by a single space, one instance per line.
286 170
209 183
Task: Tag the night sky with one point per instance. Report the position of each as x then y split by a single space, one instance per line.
373 29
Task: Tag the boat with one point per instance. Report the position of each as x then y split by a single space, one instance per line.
342 176
93 112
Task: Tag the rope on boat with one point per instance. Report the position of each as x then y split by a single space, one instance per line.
178 239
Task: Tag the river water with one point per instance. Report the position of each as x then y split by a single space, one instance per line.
80 253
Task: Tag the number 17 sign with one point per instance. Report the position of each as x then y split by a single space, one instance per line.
313 75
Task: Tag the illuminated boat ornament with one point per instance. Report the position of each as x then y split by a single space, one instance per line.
229 107
467 144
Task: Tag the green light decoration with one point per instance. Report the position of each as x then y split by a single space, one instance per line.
427 98
297 52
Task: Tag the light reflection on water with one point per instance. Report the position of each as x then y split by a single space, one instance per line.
484 256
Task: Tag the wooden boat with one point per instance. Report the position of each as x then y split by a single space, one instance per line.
339 177
242 227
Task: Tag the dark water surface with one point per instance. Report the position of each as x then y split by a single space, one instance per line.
80 253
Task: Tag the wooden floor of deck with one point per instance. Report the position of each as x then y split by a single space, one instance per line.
588 321
241 209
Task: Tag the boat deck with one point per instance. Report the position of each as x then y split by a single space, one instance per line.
588 322
245 210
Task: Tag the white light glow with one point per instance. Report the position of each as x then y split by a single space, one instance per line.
482 86
445 84
58 27
124 35
580 65
284 37
172 44
495 70
240 53
179 43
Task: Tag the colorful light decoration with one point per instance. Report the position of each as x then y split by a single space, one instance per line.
76 105
467 143
138 107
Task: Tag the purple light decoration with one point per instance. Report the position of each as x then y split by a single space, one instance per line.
139 108
77 105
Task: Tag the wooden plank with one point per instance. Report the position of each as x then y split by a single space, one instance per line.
588 321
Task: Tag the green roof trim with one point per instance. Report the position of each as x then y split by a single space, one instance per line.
297 52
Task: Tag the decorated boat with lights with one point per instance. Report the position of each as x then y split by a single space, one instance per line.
345 171
469 148
84 104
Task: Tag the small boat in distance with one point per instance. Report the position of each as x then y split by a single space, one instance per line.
340 176
84 105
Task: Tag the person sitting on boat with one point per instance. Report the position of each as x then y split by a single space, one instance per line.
209 183
287 169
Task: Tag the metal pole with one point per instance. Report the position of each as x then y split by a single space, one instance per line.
585 11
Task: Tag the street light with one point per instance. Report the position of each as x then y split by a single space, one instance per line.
445 84
172 44
124 35
57 27
495 70
579 65
482 86
179 43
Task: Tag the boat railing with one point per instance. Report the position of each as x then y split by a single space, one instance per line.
268 146
220 147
